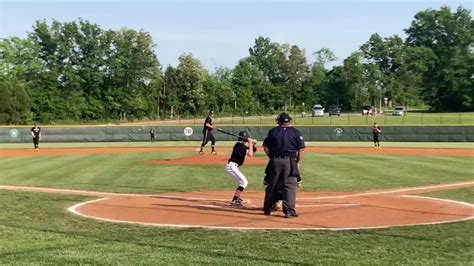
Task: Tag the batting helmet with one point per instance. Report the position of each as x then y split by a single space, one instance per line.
243 135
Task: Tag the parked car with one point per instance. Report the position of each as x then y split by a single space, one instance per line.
318 110
399 111
368 110
334 110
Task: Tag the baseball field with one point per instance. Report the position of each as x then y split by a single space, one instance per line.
161 203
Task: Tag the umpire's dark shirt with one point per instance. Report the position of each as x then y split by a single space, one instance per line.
284 141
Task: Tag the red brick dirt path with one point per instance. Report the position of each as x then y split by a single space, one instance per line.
329 150
318 210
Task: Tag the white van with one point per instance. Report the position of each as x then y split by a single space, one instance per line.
318 110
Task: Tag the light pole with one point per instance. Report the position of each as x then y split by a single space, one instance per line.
379 87
163 96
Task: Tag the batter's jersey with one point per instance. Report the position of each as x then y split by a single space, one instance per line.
36 131
284 142
239 152
208 121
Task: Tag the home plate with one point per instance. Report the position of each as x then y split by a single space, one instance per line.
246 205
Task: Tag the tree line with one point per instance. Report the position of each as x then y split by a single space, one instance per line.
78 71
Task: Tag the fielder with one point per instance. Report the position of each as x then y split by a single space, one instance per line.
376 130
243 148
36 134
152 135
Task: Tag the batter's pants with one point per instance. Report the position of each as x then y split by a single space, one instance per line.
232 169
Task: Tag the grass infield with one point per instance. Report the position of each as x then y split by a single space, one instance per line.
35 228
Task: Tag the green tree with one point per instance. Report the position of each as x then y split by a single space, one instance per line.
448 85
355 80
190 79
335 88
132 66
296 72
170 94
219 93
14 103
245 79
317 83
386 55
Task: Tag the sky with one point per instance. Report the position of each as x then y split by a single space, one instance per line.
219 33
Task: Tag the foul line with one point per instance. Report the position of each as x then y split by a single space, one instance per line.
102 194
438 199
392 191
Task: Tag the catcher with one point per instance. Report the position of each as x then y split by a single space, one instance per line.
244 147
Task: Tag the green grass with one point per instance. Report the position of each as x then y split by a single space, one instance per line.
463 145
464 194
128 173
421 118
35 228
354 119
388 119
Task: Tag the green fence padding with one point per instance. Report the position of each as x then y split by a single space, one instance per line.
194 133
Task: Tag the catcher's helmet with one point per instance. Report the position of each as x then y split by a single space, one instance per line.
243 135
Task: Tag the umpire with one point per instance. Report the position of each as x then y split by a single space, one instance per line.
284 145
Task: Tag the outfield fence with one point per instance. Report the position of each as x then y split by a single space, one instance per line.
194 133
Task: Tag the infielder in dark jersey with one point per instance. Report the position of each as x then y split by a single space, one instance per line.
207 134
152 135
36 134
243 148
376 132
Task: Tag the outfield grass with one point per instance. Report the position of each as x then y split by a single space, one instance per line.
463 145
35 228
412 118
388 119
128 173
345 119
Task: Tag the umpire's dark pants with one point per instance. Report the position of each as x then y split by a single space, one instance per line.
279 174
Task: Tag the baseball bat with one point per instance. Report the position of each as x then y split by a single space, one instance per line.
228 132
